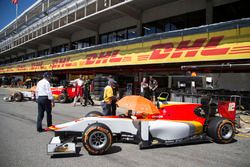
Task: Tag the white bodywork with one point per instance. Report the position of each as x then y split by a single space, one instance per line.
116 125
27 94
161 129
170 130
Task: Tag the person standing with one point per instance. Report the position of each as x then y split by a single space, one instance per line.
145 88
108 98
79 90
45 101
87 96
153 85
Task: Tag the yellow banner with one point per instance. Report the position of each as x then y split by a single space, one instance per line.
223 45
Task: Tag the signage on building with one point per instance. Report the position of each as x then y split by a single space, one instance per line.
222 45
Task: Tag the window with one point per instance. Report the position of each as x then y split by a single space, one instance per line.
149 29
192 19
104 38
42 52
84 43
112 37
29 56
119 35
132 33
235 10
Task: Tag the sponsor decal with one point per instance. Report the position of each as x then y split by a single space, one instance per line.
186 48
223 45
103 57
62 62
37 65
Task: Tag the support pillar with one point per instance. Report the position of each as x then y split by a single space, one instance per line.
139 27
209 11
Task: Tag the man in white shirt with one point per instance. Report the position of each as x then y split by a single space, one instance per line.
45 101
79 89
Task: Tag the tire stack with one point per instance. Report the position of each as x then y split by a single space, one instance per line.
99 84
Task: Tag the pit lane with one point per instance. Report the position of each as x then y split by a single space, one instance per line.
22 146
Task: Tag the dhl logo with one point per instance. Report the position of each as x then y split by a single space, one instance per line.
103 57
62 62
21 68
199 49
37 65
189 49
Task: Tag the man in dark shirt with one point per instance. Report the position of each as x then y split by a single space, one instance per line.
153 85
87 96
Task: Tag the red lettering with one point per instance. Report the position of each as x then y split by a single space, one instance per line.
114 57
91 58
156 54
184 46
103 57
36 65
211 50
61 62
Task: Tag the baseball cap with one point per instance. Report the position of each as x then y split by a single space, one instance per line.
47 75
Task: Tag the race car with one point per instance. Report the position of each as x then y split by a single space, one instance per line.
21 95
146 125
64 94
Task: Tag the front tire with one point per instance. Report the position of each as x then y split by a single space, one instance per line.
97 139
221 130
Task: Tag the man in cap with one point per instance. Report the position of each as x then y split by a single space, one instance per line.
45 101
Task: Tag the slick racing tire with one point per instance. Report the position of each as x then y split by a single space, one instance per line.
97 139
18 96
63 98
94 114
221 130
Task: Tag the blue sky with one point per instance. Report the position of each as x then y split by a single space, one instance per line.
8 10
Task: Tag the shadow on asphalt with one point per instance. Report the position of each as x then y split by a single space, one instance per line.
114 149
186 144
180 144
65 156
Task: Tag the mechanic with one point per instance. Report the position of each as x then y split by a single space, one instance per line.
79 90
108 98
87 96
45 101
153 85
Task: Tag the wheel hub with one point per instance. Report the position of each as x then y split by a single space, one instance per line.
226 131
98 140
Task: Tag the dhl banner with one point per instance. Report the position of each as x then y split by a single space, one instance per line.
231 44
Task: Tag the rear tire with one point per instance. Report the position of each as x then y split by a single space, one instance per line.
8 99
97 139
221 130
18 96
63 98
94 114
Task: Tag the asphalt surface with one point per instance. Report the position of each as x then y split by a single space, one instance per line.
22 146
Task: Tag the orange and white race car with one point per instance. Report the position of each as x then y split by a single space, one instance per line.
146 125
